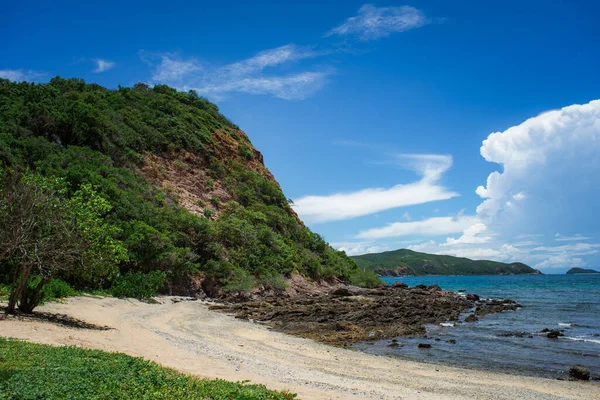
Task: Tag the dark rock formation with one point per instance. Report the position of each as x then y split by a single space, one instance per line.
471 318
580 372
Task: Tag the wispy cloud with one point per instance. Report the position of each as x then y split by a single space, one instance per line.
356 248
19 75
377 22
103 65
429 227
342 206
561 238
250 75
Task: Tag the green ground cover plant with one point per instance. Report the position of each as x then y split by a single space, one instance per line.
34 371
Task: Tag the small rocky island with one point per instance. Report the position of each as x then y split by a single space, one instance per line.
405 262
582 271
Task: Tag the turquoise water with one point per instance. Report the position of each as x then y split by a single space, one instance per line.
569 302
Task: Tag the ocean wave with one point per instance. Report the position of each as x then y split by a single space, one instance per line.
447 324
565 324
583 339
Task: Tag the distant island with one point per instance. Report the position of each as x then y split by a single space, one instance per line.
407 262
582 271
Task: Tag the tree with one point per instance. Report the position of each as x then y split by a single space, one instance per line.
46 232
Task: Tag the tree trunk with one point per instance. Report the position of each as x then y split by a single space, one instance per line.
30 299
16 291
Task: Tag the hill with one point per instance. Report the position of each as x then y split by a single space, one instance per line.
582 271
408 262
183 191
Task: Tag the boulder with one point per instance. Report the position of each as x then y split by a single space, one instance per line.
554 334
471 318
399 285
472 297
434 288
580 372
424 346
341 292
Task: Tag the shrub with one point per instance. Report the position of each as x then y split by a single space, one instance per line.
245 152
57 289
210 183
140 286
209 213
365 278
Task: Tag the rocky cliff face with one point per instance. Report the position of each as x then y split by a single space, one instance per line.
188 176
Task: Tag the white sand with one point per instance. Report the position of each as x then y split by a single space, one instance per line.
188 337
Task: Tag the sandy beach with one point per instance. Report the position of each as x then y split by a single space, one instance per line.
188 337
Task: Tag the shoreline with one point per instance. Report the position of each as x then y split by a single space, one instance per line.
188 337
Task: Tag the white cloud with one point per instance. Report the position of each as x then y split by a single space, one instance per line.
563 260
378 22
505 252
171 70
543 154
429 227
560 238
19 75
357 248
103 65
527 243
342 206
245 76
470 235
571 248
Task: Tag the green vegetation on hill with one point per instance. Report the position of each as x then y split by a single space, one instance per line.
35 371
185 191
408 262
582 271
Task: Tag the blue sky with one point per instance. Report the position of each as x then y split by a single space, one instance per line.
465 128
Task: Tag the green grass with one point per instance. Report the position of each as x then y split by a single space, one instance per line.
34 371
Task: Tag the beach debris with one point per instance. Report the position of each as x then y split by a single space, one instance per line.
579 372
424 346
472 318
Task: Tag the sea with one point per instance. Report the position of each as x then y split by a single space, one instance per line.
567 302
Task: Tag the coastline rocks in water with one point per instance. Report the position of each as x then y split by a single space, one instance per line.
552 333
580 372
399 285
349 314
424 346
515 334
451 341
471 318
472 297
495 306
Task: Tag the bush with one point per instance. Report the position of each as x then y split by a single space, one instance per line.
140 286
57 289
365 278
